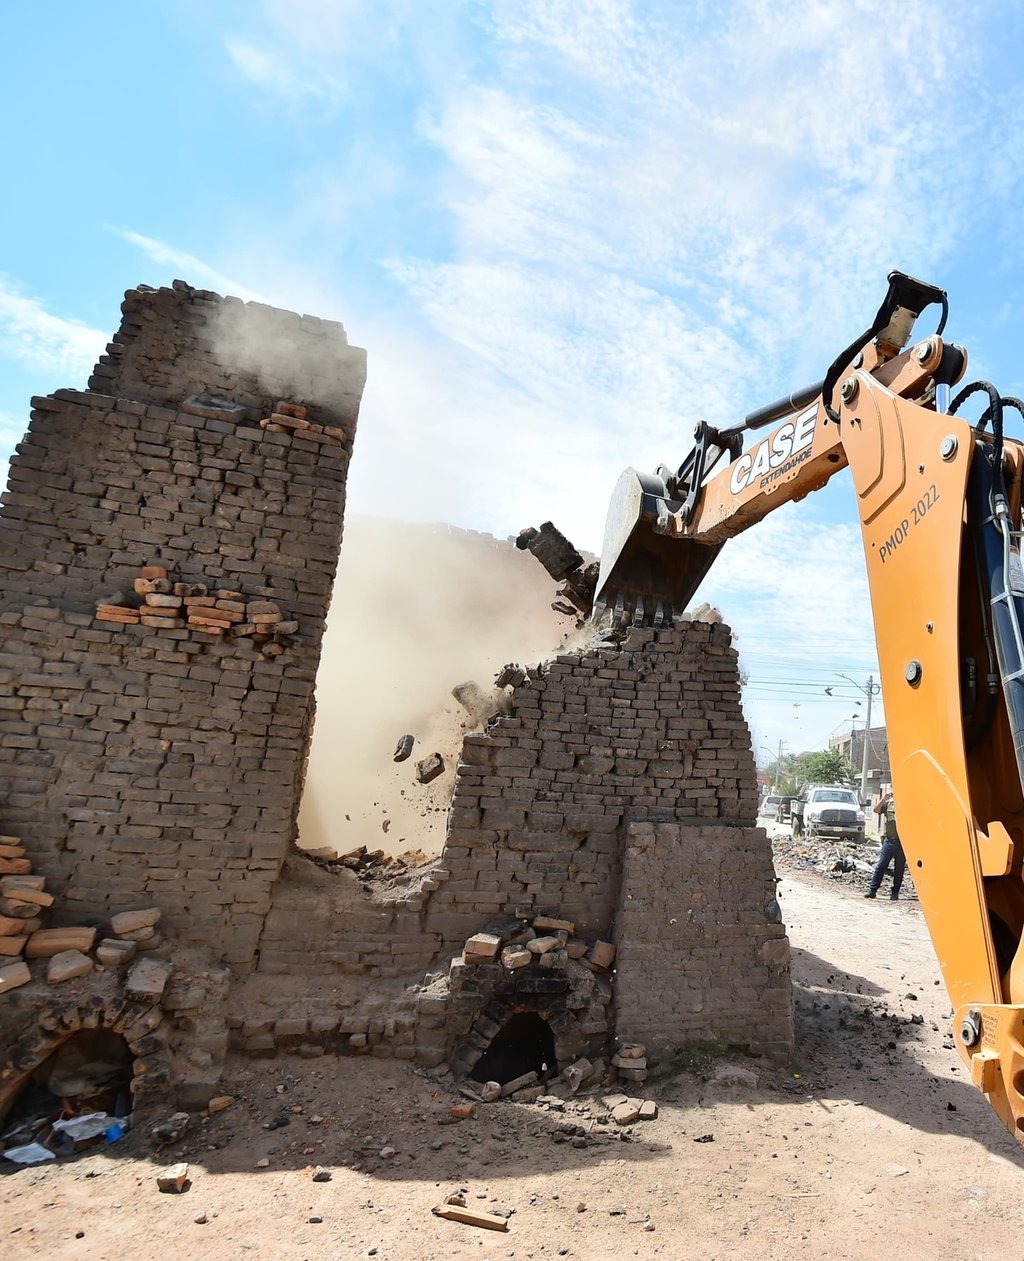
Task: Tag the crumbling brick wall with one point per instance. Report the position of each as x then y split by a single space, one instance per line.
620 794
165 766
651 730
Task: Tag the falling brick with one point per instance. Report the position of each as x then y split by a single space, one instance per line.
429 768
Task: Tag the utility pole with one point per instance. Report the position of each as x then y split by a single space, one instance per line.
867 737
869 689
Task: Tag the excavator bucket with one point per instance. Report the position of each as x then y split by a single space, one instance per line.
648 574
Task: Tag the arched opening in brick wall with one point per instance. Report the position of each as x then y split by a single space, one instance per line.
87 1071
524 1044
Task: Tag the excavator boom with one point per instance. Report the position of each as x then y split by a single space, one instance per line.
939 505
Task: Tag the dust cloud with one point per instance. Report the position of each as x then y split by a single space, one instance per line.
416 611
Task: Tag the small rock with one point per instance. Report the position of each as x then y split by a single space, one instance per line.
200 1219
626 1113
320 1174
67 965
314 1220
219 1102
429 768
387 1152
648 1110
263 1163
171 1130
173 1178
734 1075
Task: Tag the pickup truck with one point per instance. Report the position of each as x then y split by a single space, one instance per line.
828 811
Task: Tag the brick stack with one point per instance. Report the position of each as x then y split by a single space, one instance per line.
292 418
168 605
23 902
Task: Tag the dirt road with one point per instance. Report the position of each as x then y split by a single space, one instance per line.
872 1143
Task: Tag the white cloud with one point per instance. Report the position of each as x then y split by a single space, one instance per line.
276 72
12 430
45 342
187 266
653 213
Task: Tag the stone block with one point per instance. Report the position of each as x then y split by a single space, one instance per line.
132 921
147 979
481 946
12 975
67 965
48 942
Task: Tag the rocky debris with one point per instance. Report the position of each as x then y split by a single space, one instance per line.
173 1179
454 1209
510 675
848 862
576 1074
551 548
565 564
320 1174
627 1110
734 1075
430 768
404 747
170 1130
372 865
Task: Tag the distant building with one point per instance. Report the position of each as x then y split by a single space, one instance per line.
851 745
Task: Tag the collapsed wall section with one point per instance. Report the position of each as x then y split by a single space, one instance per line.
155 763
618 795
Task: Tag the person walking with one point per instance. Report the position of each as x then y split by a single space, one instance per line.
892 850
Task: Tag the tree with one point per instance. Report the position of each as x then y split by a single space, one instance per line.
827 766
783 775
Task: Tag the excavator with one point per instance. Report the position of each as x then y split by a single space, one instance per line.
939 498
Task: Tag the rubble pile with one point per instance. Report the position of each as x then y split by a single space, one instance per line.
850 862
69 951
372 865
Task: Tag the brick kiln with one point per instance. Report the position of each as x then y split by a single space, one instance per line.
169 543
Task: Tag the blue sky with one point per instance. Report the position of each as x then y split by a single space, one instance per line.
564 231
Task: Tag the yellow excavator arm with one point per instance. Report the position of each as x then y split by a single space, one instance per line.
939 500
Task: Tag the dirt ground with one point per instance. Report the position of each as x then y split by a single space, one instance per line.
872 1142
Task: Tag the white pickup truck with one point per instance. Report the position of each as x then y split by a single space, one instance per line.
828 810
